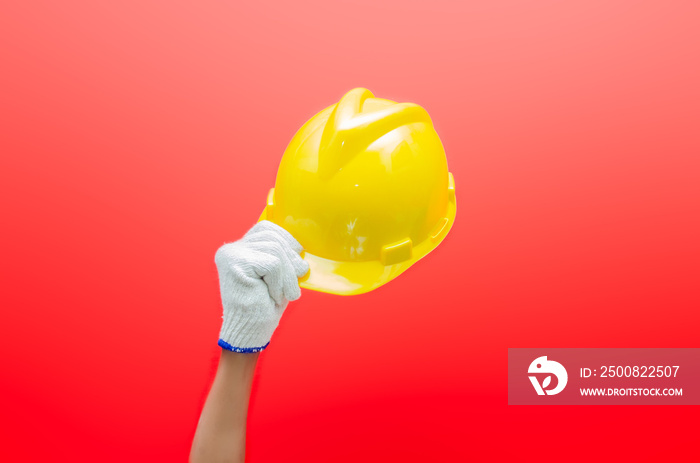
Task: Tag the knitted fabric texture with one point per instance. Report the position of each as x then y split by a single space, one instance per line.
258 276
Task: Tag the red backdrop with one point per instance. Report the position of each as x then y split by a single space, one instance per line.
137 137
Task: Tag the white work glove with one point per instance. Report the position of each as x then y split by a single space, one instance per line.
258 276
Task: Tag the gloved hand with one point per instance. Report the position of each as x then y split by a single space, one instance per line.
258 276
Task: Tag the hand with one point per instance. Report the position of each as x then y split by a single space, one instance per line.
258 276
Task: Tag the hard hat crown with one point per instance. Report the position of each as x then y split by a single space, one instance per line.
364 187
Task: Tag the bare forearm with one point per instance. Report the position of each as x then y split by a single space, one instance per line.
220 435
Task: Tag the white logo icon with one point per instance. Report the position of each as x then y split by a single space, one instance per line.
541 366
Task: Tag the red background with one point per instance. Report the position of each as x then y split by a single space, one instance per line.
137 137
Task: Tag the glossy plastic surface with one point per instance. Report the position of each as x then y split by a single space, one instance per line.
364 187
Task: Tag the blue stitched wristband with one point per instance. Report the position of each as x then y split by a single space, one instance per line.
241 350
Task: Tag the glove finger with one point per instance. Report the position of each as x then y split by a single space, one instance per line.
283 284
300 266
274 279
244 259
233 256
246 270
275 237
284 280
292 291
274 229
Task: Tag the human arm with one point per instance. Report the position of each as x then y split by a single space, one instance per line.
258 276
220 435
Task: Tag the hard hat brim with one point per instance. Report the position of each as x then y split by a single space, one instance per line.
348 278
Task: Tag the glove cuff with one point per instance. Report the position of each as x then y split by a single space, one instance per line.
241 350
244 334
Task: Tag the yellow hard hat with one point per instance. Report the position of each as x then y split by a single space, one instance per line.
364 187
